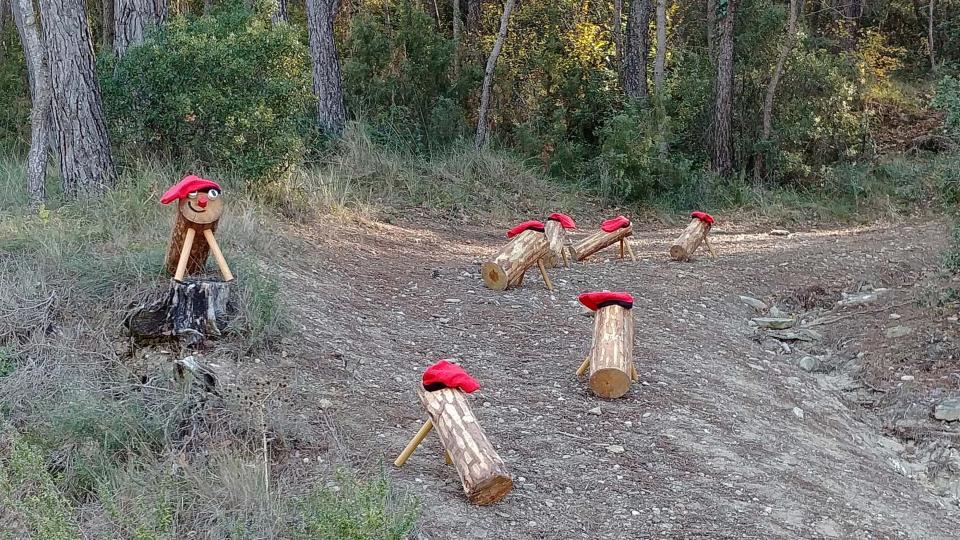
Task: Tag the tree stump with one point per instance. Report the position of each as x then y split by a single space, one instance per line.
611 357
601 239
191 311
483 473
688 242
557 240
508 267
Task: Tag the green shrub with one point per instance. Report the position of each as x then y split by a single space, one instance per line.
947 99
224 90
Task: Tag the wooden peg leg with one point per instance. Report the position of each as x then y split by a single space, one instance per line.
566 260
630 251
446 458
622 248
217 255
519 280
583 367
184 254
543 272
709 247
633 374
414 443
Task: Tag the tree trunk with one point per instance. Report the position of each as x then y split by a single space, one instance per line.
852 11
25 18
280 14
456 39
723 95
191 311
473 15
483 130
327 84
636 49
930 41
775 80
133 19
83 147
108 22
617 25
660 60
712 31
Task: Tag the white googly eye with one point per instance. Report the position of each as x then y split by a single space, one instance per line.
193 195
213 193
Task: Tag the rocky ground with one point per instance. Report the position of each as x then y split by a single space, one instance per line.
826 432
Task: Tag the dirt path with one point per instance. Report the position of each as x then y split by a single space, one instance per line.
714 446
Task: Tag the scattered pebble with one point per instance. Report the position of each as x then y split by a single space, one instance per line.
779 232
615 449
798 411
809 363
595 410
325 403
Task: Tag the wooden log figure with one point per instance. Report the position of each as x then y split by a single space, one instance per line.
528 246
610 361
691 238
611 231
482 472
556 231
199 207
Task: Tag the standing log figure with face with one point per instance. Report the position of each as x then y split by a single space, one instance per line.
199 206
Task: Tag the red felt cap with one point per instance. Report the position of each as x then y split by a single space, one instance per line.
703 216
532 224
565 221
443 374
597 300
618 222
188 185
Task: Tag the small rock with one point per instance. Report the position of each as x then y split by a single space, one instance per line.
907 378
776 323
798 411
894 316
487 404
452 301
864 297
779 232
568 490
948 410
776 313
616 449
595 410
634 512
754 303
325 403
896 332
809 363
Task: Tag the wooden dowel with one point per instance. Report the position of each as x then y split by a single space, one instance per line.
566 260
709 247
184 254
519 280
634 374
583 367
414 443
622 248
543 272
218 255
446 458
633 257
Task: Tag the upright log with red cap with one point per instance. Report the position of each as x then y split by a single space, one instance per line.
611 231
556 231
528 246
199 208
611 356
691 238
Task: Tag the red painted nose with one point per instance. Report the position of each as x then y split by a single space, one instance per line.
202 201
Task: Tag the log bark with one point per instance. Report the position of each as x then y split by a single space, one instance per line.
35 54
636 49
79 124
690 239
483 130
557 240
483 473
522 252
327 82
611 358
199 250
191 311
599 240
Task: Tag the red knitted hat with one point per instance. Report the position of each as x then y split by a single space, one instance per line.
443 374
703 216
618 222
565 221
188 185
597 300
532 224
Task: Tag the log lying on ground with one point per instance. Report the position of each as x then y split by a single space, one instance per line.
522 252
611 358
557 239
191 311
483 473
688 242
601 239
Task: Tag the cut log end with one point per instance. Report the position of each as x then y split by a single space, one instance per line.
490 490
494 276
610 382
677 253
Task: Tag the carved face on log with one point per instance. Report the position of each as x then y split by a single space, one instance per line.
202 207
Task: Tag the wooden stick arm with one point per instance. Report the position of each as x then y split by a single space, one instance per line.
218 255
185 254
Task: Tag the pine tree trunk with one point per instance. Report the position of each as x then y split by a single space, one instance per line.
483 130
712 31
133 19
661 57
83 147
723 95
473 15
108 22
617 24
280 14
930 41
25 18
636 49
852 11
3 27
327 85
760 171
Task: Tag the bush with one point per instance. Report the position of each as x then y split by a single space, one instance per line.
221 90
947 99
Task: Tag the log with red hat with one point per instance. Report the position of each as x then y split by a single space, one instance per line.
443 393
610 361
611 231
692 236
556 230
199 207
528 246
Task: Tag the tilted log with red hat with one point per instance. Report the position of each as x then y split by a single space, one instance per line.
556 230
443 394
611 356
528 245
199 207
611 231
691 238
